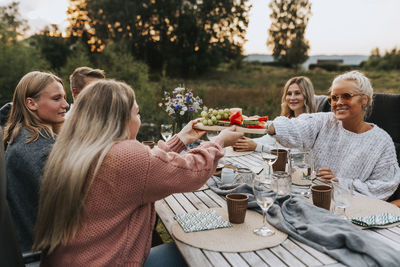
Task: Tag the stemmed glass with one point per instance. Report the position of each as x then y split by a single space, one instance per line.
342 195
166 131
211 135
268 155
265 197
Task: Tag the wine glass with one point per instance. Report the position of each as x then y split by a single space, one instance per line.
342 195
265 197
211 135
166 131
270 157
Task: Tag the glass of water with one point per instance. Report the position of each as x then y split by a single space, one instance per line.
342 195
302 171
166 131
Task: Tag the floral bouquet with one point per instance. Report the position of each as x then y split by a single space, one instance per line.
181 106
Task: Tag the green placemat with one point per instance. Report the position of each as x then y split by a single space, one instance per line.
376 220
200 221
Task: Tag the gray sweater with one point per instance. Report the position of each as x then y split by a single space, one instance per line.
24 168
368 158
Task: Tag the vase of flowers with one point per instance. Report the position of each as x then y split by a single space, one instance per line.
181 105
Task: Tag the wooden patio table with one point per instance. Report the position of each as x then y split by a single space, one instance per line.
289 253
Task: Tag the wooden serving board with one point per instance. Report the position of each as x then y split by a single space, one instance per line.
200 126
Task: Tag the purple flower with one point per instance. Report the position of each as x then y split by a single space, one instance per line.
191 108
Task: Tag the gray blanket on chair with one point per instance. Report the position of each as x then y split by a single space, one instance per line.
319 229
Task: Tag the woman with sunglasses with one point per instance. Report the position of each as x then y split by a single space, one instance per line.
297 98
344 145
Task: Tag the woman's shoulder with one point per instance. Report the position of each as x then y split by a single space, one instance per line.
128 147
380 133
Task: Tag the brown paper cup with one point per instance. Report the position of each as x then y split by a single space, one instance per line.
237 206
321 196
149 143
280 163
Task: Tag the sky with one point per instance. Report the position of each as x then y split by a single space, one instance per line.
336 27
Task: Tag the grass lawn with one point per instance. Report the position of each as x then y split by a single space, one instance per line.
257 89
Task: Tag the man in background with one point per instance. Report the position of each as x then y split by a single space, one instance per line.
80 78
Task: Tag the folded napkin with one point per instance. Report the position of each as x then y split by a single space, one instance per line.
376 220
199 221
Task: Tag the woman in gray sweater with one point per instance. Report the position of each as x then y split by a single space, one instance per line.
38 110
344 145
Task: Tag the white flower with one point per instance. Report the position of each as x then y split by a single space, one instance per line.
182 112
179 89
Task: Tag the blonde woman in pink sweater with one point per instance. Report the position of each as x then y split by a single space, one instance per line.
99 186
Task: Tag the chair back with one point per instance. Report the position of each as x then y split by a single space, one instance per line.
10 254
386 114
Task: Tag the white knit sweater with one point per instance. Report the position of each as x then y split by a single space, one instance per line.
368 158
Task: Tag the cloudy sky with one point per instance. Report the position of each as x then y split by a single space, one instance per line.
344 27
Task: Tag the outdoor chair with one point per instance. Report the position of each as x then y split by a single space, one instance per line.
4 113
386 114
10 253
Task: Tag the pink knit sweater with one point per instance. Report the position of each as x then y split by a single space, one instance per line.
120 213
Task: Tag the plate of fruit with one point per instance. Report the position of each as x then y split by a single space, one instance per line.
219 119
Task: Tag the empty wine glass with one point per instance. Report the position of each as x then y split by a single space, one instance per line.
265 197
166 131
342 195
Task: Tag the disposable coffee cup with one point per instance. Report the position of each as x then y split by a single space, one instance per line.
237 206
321 196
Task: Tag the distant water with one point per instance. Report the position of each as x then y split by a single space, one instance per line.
347 60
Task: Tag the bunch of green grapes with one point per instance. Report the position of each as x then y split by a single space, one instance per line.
211 116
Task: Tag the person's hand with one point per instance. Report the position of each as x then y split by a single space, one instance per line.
188 134
245 144
230 136
326 174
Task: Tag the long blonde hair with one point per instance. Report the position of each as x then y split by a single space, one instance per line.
98 120
31 85
307 90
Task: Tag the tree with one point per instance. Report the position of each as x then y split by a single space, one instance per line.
389 61
16 57
52 45
11 24
286 34
179 36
